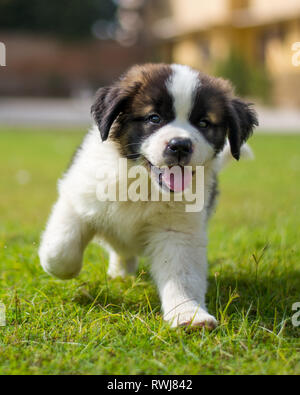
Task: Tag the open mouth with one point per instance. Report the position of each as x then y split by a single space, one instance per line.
175 178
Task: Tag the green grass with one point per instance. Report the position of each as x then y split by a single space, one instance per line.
90 325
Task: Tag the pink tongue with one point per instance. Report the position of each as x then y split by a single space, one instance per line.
177 180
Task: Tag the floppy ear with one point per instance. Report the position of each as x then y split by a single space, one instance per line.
106 108
241 121
109 103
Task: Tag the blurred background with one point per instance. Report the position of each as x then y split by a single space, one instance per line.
58 53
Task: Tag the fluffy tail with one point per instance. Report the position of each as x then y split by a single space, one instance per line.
225 156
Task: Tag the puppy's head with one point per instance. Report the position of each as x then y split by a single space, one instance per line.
171 115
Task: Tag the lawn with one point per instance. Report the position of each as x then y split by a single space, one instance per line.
91 325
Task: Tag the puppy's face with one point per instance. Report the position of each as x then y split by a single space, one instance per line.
172 115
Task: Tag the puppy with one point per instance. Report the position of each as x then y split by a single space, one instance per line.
157 116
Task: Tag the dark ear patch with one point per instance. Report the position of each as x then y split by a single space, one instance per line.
241 121
110 101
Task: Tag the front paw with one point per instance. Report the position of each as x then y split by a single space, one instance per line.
194 318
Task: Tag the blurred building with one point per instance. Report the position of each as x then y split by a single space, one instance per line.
203 33
101 45
46 66
62 50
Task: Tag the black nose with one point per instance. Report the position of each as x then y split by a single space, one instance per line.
178 150
180 145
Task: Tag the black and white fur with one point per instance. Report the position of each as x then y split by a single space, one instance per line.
189 105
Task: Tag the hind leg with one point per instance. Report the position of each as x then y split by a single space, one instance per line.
64 241
119 266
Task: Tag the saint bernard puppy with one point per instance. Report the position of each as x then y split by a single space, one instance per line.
156 116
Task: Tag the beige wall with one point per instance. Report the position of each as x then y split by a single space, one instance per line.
205 31
191 14
274 9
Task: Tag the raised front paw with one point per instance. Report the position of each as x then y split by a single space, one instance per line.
193 318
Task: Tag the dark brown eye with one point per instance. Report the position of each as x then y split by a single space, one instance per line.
203 124
154 118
